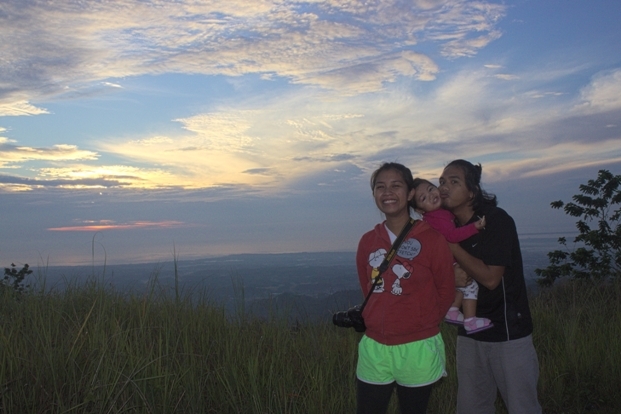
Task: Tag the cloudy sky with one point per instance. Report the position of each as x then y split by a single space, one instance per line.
132 129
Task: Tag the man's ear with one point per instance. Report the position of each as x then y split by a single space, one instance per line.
472 193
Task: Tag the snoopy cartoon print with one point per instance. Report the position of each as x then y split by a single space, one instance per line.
375 260
402 271
408 250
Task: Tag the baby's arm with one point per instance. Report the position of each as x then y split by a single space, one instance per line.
443 223
458 234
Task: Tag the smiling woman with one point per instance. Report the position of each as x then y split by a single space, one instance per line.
411 291
392 194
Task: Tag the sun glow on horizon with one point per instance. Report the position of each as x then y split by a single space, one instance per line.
107 225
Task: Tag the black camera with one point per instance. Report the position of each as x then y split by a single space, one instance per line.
351 318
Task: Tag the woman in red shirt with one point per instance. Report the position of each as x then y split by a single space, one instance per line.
402 345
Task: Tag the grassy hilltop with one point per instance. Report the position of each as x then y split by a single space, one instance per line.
92 350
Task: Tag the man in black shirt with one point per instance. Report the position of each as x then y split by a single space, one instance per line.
502 358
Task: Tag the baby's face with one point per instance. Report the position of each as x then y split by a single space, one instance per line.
427 197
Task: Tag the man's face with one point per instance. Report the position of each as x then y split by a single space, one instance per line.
453 190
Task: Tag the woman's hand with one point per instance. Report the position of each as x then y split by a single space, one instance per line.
461 277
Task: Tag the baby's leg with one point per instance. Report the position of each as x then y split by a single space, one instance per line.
473 324
459 297
454 316
469 308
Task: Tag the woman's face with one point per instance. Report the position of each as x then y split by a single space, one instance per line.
427 197
453 189
391 193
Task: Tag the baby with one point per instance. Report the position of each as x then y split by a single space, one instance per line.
427 202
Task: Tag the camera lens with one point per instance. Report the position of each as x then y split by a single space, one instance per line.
341 319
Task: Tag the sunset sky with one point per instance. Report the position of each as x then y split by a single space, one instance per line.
132 129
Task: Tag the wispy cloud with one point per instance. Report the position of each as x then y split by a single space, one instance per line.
16 107
506 76
292 137
10 153
602 94
354 63
355 46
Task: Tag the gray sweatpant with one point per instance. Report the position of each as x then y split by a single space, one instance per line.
510 367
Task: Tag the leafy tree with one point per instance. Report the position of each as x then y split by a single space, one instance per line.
14 279
599 254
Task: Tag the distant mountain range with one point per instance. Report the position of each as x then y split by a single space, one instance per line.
300 286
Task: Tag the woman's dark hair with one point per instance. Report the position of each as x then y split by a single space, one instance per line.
472 174
405 172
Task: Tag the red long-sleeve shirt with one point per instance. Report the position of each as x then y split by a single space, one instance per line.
416 290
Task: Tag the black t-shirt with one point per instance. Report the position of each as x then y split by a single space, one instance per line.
506 305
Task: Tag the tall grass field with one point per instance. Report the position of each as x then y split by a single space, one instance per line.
89 349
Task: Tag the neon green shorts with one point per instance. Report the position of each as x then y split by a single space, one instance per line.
414 364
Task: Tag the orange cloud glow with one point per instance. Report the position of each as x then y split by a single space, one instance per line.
106 225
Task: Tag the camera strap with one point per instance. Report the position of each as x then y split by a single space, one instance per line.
388 258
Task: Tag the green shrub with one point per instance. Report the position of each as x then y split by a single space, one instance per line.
599 253
14 279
